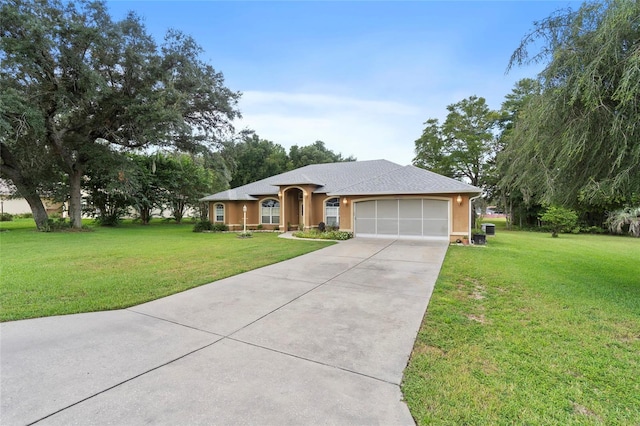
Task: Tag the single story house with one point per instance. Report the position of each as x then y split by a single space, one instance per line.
368 198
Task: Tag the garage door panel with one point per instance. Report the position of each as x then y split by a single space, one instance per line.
435 208
436 227
410 209
366 209
410 227
387 226
365 226
387 209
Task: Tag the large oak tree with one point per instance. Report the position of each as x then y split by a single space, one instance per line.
74 85
464 146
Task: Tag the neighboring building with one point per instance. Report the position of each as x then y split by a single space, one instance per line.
11 205
493 212
11 202
369 198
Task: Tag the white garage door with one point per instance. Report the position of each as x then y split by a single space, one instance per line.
418 218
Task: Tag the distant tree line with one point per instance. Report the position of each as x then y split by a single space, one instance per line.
174 182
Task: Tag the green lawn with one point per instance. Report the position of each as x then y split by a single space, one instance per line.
531 330
57 273
528 330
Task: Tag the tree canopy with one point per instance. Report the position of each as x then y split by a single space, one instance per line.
463 147
580 138
316 153
254 158
74 85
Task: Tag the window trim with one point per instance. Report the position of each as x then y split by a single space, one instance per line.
337 206
271 215
215 213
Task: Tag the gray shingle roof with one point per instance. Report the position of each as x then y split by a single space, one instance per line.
231 194
351 178
406 180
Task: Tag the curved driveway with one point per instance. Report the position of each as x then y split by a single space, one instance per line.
319 339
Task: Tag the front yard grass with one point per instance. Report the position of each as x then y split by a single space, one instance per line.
45 274
531 330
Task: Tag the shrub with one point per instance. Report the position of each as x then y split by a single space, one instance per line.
219 227
559 219
327 235
625 220
339 235
477 229
6 217
25 216
592 230
244 234
203 225
60 224
108 220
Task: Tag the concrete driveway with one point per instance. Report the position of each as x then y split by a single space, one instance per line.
319 339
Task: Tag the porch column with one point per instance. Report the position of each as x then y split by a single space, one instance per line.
306 205
282 212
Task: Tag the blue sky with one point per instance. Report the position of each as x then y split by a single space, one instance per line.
361 76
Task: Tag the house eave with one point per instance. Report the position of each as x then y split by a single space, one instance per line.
373 193
213 198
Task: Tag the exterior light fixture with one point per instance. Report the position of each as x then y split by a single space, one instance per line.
459 199
344 201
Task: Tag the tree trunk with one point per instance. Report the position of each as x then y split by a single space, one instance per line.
145 215
204 211
75 199
27 189
178 211
40 215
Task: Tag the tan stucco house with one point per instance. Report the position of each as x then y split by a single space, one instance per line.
368 198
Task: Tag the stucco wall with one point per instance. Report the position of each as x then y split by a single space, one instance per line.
289 210
233 214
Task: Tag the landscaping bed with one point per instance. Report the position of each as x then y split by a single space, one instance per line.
324 235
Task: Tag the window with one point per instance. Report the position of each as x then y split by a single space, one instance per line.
219 213
270 212
332 212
